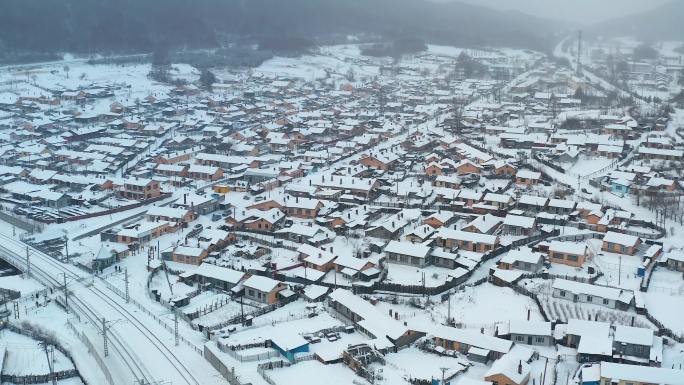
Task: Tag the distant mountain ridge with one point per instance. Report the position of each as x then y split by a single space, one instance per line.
90 26
659 24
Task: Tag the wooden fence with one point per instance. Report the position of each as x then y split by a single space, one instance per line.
39 378
46 378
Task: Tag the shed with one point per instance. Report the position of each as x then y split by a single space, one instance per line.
480 355
289 344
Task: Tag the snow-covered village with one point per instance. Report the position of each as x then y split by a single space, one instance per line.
459 216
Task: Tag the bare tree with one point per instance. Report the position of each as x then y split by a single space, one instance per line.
67 69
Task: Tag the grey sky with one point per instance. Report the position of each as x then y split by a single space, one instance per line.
578 11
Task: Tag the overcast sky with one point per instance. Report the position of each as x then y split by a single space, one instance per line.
578 11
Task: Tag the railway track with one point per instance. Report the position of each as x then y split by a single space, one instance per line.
134 363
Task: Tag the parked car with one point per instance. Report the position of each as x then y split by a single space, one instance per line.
332 337
216 217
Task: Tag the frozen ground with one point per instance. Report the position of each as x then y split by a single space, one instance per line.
26 356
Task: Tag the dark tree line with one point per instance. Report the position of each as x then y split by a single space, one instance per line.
39 27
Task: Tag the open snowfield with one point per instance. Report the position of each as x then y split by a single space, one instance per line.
334 374
26 356
21 284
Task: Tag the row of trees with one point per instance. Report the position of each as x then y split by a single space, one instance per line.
134 26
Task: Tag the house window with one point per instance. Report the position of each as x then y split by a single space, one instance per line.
520 338
639 349
605 301
251 293
557 255
539 340
562 293
623 249
403 258
415 261
590 298
573 258
180 257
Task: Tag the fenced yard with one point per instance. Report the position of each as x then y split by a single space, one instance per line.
563 310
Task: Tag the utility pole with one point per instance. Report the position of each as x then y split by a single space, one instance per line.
104 336
579 55
66 247
619 269
104 333
127 296
28 262
544 374
175 328
242 311
66 294
448 308
443 371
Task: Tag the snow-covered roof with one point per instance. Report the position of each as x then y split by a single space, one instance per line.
315 291
519 221
620 239
262 284
220 273
632 335
523 255
351 262
407 248
533 328
485 223
374 320
528 174
470 338
562 203
442 216
641 374
512 366
610 293
466 236
288 341
568 247
533 200
189 251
